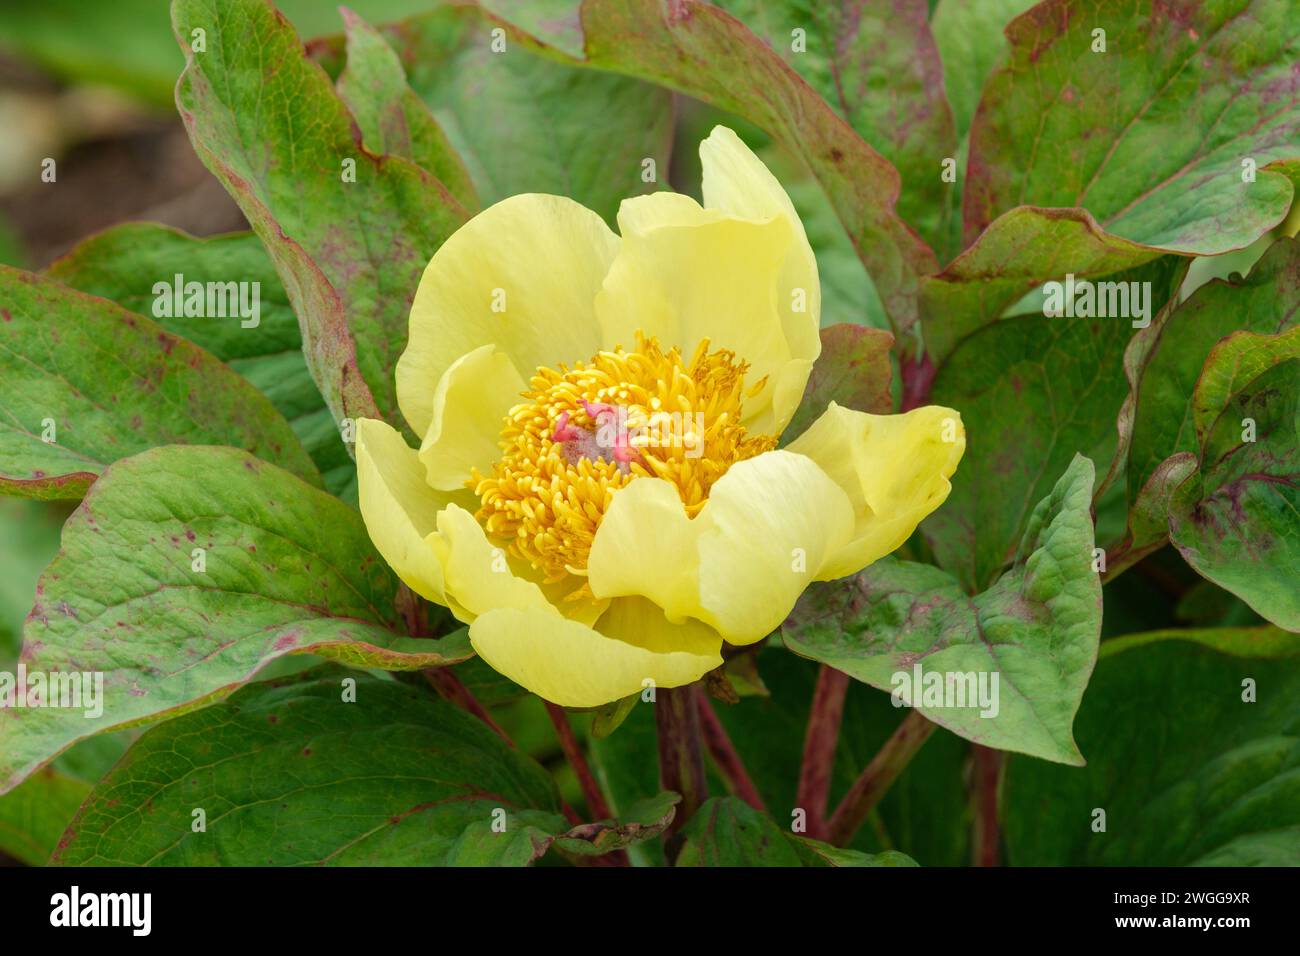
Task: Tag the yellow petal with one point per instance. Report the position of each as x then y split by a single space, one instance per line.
738 271
399 508
736 182
540 260
468 417
775 520
476 572
894 469
647 545
768 527
571 664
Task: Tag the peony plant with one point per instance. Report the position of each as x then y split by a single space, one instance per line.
569 461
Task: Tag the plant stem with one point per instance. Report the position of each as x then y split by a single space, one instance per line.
724 755
879 775
986 779
450 688
819 745
596 804
597 807
681 761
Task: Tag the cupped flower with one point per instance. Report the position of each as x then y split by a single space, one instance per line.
598 491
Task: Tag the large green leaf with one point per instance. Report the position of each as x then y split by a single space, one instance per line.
112 263
286 569
526 123
101 384
1237 519
877 65
726 831
1149 135
269 124
290 773
702 51
1033 392
1187 771
1036 628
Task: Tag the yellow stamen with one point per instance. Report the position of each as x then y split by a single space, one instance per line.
582 434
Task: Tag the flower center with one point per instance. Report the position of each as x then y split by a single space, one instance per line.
582 433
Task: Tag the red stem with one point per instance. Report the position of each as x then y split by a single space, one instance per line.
819 745
681 762
450 688
986 831
724 755
596 804
879 775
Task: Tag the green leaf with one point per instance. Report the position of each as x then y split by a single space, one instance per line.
1036 628
817 853
34 816
526 123
609 718
122 264
393 119
1033 392
268 123
112 384
286 569
702 51
876 64
1149 135
290 773
726 831
1187 772
853 370
1237 520
1148 516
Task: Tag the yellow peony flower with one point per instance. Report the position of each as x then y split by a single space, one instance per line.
598 491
